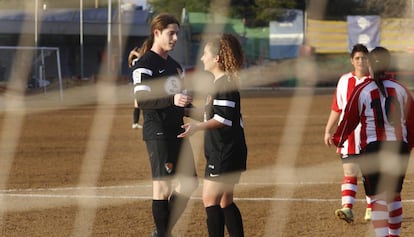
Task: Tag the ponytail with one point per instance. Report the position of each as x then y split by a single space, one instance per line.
378 76
379 59
147 45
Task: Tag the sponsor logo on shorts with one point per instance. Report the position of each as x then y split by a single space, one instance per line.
168 167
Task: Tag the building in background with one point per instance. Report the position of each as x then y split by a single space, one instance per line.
61 28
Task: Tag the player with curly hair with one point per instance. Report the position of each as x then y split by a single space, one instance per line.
224 140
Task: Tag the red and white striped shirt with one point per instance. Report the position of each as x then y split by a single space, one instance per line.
389 118
346 84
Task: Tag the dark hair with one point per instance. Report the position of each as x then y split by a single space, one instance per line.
379 60
230 52
160 22
359 48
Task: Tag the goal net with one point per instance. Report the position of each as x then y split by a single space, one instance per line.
45 69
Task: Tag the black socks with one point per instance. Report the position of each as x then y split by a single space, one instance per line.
215 221
167 212
161 213
233 220
136 115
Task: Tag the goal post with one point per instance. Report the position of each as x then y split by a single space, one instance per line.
46 66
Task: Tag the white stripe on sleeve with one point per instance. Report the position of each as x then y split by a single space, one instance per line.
141 88
222 120
226 103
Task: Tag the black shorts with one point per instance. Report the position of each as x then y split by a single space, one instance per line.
228 178
225 170
383 167
170 157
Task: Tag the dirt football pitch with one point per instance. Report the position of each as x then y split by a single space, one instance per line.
75 167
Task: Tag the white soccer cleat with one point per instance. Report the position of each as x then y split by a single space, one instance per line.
136 125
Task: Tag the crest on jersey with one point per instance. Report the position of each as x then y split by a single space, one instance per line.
172 85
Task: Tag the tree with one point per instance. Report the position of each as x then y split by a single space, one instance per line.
175 7
269 10
339 9
389 8
255 12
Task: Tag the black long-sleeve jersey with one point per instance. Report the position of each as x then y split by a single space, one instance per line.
227 144
156 81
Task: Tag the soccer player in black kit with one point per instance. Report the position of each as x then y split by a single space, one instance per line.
158 87
224 140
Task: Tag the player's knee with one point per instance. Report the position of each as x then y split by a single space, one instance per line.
351 170
351 173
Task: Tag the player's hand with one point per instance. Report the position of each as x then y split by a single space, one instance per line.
189 129
328 139
182 100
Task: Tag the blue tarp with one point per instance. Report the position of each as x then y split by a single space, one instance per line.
286 35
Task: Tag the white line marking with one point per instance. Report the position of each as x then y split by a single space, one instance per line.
74 196
150 185
29 193
254 199
75 188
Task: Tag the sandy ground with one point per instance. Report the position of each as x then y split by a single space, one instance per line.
74 167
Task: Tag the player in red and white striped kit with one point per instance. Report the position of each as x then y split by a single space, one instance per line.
351 148
385 109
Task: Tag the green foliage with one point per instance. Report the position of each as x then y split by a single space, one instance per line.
198 6
389 8
269 10
173 7
255 12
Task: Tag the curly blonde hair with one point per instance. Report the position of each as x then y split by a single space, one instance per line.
230 52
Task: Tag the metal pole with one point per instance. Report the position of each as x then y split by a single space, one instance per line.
81 39
36 20
120 36
108 48
59 74
305 23
36 41
42 71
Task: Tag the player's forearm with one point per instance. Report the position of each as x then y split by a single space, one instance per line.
210 124
159 103
332 121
